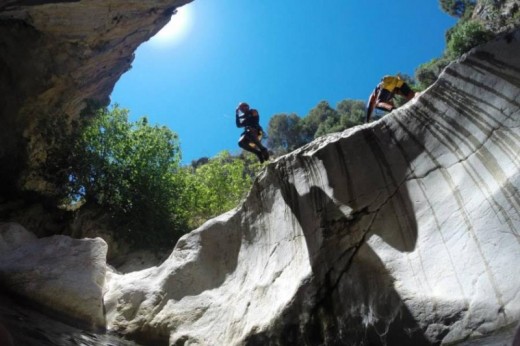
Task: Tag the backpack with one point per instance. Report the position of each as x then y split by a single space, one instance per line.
390 83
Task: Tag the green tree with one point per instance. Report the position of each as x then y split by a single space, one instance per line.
289 132
352 113
464 36
321 114
128 170
218 185
284 133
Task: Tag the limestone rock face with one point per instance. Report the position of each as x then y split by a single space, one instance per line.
57 59
498 16
405 231
62 275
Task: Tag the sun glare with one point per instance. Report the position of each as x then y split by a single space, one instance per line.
176 30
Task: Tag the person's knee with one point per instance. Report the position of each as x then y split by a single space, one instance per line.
243 144
406 91
385 106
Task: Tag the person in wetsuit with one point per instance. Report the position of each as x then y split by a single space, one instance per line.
251 138
382 96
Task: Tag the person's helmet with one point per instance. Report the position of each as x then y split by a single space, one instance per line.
243 107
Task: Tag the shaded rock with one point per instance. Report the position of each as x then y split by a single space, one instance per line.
60 275
59 61
93 223
405 231
13 235
139 260
28 327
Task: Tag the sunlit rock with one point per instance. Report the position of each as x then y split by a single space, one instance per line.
402 232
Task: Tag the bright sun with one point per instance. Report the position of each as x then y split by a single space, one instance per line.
176 29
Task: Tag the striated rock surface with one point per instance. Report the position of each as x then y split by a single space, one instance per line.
402 232
59 274
58 59
405 231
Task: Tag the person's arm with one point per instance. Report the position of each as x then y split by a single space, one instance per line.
255 117
238 119
370 105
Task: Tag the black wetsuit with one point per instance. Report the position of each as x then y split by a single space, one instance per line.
250 139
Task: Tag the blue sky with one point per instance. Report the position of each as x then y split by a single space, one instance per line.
279 56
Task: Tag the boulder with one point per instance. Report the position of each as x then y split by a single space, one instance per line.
62 276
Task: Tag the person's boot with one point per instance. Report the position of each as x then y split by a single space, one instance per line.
265 154
260 156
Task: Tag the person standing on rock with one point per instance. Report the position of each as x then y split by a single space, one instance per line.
251 138
382 96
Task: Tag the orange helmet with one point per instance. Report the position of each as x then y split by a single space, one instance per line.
243 107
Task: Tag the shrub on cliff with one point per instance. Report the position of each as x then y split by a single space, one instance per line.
128 170
217 185
464 36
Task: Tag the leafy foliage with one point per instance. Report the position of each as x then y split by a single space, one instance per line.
218 185
132 171
56 133
351 112
317 117
289 132
285 133
427 73
129 170
465 36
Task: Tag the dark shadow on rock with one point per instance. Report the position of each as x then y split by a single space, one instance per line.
354 299
30 327
516 340
371 181
350 298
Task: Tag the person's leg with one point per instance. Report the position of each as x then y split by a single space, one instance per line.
256 138
406 91
384 100
246 144
385 106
